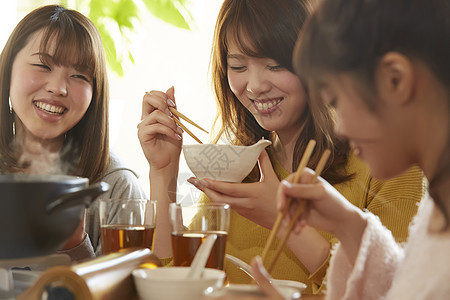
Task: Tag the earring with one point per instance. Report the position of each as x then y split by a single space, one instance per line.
13 118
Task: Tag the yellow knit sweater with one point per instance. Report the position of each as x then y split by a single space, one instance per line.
394 201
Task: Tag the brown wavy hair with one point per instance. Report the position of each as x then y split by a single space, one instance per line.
273 28
75 36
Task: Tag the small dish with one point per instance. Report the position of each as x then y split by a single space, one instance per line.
171 283
289 289
223 162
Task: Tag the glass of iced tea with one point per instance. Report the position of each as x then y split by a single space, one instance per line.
126 223
190 226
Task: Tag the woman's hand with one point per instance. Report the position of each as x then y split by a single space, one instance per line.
159 135
161 141
262 278
254 201
325 209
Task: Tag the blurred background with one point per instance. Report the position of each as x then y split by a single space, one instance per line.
150 45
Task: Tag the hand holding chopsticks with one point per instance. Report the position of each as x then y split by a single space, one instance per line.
303 162
181 116
300 208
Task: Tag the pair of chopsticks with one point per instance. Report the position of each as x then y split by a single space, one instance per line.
181 116
303 163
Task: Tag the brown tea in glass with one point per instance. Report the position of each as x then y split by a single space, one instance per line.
191 224
116 237
186 244
126 223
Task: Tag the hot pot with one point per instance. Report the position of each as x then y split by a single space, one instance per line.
38 213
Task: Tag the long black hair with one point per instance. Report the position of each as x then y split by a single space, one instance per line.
351 36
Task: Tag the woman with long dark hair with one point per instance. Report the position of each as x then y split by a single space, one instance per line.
384 66
54 97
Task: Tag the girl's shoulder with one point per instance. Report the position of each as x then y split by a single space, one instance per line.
122 178
116 165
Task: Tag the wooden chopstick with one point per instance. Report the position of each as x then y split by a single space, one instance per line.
180 115
303 163
301 205
187 130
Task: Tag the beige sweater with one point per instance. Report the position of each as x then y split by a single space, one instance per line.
385 270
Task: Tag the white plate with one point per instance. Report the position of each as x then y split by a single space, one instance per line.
242 290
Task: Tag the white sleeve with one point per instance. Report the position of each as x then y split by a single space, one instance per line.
371 274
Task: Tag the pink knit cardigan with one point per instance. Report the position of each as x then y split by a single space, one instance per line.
420 269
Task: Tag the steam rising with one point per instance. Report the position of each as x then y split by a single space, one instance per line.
41 160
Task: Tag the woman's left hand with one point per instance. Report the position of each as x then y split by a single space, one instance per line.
262 278
254 201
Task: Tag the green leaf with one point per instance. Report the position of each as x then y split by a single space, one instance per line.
174 12
114 60
130 57
116 20
124 12
113 19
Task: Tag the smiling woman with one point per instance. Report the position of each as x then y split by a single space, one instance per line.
43 78
54 98
259 96
41 68
159 50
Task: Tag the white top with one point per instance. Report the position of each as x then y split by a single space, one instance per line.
388 271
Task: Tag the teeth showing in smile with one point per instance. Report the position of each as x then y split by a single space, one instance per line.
59 110
266 105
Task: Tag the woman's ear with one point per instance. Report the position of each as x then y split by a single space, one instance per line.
395 77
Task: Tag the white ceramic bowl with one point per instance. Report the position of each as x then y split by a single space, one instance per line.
289 289
223 162
171 283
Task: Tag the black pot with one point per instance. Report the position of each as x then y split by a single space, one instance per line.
39 213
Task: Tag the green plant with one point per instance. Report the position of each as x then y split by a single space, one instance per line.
117 20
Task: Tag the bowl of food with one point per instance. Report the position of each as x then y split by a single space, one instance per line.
223 162
172 283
